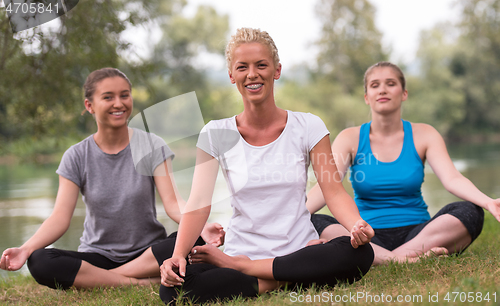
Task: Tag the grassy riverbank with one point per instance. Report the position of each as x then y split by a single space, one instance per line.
474 276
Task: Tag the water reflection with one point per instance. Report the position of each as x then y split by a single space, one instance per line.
21 214
27 195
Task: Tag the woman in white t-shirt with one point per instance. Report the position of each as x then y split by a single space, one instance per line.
264 153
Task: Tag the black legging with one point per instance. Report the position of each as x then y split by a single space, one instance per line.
471 216
322 264
57 268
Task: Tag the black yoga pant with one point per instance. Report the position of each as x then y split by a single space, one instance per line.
471 216
57 268
322 264
207 283
325 264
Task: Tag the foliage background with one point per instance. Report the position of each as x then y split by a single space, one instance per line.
455 86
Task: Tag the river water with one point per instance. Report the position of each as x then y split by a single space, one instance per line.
27 194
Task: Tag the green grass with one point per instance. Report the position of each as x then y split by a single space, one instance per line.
476 271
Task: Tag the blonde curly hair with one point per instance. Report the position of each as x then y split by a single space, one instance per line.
249 35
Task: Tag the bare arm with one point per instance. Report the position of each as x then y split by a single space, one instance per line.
342 150
453 181
51 229
165 184
174 204
337 199
194 217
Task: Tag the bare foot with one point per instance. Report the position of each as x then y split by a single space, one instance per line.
436 252
210 254
148 281
266 285
316 241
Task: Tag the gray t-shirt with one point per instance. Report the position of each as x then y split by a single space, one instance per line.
120 219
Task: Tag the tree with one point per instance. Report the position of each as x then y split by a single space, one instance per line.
349 44
350 41
436 96
459 81
44 68
184 41
477 63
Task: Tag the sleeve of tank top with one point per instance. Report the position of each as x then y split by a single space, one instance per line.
316 130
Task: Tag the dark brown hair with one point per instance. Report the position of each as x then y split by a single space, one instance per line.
396 69
98 75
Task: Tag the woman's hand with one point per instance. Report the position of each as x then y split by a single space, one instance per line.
494 208
361 233
213 233
13 259
171 270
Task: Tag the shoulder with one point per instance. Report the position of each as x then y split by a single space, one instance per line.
80 148
349 135
218 130
225 123
218 135
140 135
424 132
306 118
310 123
144 144
347 139
352 132
426 138
74 160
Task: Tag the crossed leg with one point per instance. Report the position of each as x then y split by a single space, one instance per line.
140 271
57 268
262 269
62 269
143 267
444 235
143 270
324 264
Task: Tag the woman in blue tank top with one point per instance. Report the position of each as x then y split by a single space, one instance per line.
387 157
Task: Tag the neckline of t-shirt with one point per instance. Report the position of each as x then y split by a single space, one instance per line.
400 153
266 145
107 154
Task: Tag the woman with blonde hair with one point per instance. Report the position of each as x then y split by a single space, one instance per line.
264 153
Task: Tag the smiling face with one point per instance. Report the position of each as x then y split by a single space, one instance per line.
111 102
384 91
253 71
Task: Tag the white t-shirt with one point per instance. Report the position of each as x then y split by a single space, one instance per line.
267 185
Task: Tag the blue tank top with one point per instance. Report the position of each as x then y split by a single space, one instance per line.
389 194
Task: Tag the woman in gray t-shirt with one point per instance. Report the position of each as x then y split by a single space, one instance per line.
123 242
